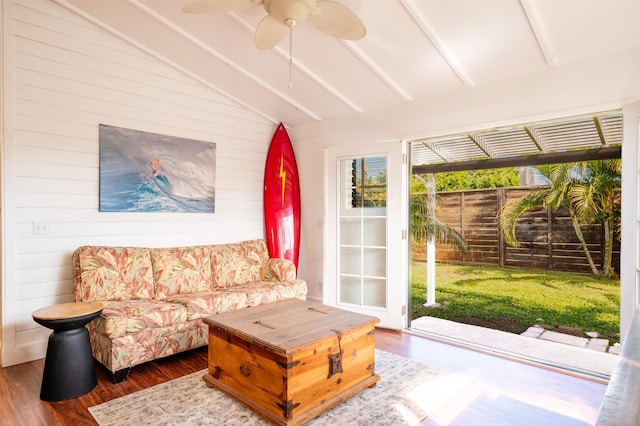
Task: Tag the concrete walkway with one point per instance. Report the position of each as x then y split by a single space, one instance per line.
547 347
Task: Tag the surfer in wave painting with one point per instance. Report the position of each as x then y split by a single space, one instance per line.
155 165
148 172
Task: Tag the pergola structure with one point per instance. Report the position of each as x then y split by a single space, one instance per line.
589 137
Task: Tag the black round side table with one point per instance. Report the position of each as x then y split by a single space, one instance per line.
69 370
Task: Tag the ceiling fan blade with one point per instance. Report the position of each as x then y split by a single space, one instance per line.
337 20
205 6
270 32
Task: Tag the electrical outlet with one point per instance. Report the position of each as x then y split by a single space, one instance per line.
40 228
320 287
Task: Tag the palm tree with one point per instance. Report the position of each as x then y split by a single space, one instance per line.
593 198
587 190
425 224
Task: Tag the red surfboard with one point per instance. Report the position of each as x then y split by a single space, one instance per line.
282 198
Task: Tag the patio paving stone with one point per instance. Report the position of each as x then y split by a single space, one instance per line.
567 339
598 344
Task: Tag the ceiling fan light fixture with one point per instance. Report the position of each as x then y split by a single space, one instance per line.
285 10
328 16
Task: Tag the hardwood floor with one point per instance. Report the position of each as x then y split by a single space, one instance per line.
481 389
486 389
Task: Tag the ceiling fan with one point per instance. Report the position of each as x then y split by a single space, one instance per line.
328 16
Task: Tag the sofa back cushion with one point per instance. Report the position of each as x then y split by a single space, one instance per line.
112 273
181 270
238 263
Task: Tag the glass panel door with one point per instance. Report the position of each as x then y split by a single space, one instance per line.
362 279
366 255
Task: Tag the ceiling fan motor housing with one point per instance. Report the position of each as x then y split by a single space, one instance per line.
285 11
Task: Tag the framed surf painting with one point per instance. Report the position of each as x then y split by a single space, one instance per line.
148 172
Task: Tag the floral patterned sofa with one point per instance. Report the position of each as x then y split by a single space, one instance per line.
155 298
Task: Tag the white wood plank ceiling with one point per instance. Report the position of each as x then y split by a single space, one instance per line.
414 49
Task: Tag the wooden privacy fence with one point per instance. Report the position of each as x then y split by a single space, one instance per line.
547 238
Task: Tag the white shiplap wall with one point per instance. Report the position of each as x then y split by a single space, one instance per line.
62 77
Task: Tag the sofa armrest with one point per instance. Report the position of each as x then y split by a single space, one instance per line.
276 269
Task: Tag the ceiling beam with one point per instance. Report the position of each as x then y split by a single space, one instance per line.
376 69
539 32
525 160
430 33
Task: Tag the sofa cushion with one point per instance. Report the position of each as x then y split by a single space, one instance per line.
276 269
237 263
120 318
112 273
261 292
204 304
181 270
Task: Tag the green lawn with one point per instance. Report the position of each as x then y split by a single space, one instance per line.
514 299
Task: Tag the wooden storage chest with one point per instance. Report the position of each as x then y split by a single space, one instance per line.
292 360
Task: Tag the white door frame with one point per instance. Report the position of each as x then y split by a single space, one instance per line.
630 222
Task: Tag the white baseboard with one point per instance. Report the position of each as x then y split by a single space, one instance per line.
13 356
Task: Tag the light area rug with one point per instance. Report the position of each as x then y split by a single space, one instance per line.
402 397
